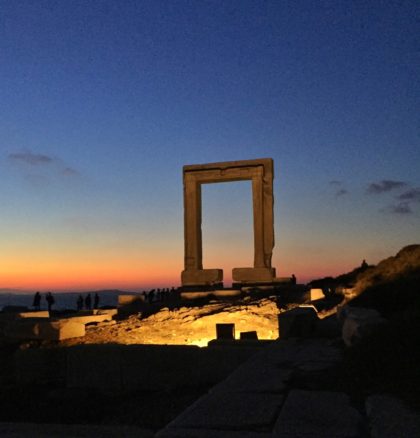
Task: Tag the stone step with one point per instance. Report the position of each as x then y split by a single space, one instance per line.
314 414
240 412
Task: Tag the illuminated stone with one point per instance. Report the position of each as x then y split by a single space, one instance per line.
129 299
192 295
110 312
89 319
260 172
316 294
7 316
253 275
130 303
194 277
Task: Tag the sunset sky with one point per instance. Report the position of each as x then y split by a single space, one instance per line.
103 102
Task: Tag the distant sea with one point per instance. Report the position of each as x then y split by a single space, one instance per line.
65 300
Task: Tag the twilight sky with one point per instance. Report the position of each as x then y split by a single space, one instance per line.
103 102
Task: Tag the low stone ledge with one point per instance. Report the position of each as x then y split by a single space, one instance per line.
110 312
10 316
88 319
298 322
126 299
359 323
40 366
257 376
15 430
209 433
318 414
29 328
127 368
389 418
231 412
218 293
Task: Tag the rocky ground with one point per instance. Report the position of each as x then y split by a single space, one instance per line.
192 325
385 361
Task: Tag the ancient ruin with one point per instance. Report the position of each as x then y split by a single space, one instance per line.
260 172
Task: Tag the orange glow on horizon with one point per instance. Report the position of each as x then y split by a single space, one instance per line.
79 279
114 275
59 270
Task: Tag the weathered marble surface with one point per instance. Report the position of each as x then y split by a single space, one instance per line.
260 172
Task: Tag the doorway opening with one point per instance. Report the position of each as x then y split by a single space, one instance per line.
227 227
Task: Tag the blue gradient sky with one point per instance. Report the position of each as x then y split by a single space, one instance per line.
103 102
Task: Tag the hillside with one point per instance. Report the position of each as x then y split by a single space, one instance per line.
393 285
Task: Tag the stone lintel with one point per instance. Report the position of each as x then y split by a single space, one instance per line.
253 275
266 162
201 276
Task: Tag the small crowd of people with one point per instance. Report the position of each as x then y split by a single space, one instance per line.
48 298
159 295
82 303
87 302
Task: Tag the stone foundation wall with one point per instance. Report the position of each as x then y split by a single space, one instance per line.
126 368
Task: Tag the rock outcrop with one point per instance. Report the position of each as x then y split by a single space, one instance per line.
391 286
193 325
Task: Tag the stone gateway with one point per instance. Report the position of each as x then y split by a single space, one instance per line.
260 172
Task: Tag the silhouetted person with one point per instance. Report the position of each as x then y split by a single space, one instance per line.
88 302
50 300
79 302
37 301
151 296
293 279
364 265
96 301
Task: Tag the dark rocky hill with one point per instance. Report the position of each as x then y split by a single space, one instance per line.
393 285
390 286
388 360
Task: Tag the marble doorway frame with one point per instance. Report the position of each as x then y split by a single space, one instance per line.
260 172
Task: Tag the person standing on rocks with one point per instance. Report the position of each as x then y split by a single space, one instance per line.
88 302
50 300
96 301
79 303
37 301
